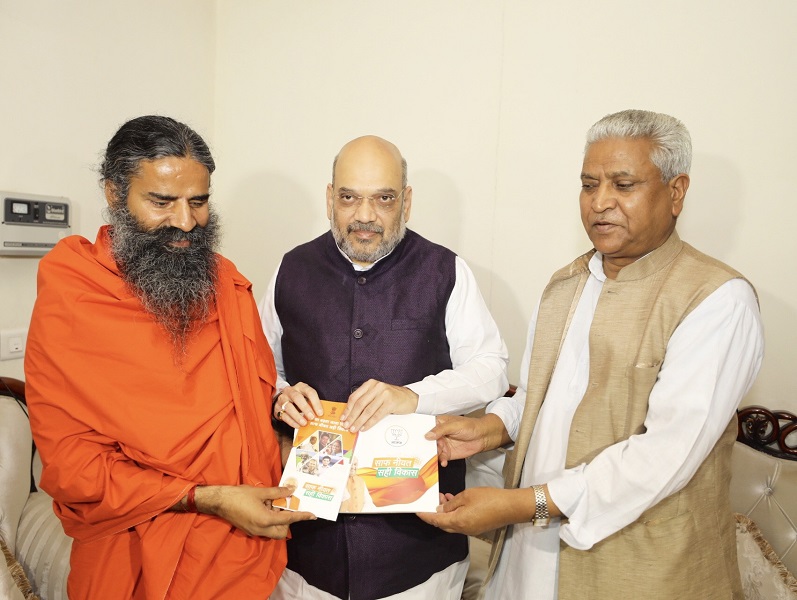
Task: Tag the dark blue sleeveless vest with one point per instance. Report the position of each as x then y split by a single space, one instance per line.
342 327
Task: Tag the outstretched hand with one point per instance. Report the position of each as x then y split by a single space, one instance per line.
461 437
476 510
249 508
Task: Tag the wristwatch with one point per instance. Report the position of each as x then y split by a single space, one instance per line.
541 515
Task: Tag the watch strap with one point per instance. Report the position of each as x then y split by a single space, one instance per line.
541 514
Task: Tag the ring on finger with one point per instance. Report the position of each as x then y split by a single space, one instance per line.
282 409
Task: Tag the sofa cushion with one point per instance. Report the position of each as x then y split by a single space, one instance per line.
15 461
14 585
764 577
43 548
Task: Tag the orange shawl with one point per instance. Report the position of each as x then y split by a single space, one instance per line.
124 432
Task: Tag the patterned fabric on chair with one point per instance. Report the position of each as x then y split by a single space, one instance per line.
28 526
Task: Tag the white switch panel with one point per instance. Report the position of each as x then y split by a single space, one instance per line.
12 343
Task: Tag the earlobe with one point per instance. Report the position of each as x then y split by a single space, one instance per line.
110 194
678 187
407 204
329 201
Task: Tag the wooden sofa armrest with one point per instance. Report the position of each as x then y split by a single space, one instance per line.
12 387
768 431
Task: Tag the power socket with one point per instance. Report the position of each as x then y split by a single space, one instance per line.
12 343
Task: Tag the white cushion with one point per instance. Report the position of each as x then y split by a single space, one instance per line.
764 577
15 460
43 548
8 588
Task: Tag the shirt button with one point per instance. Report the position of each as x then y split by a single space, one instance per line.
352 517
361 280
358 333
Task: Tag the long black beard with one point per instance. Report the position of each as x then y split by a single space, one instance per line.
176 285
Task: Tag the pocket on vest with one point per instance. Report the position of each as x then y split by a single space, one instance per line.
662 552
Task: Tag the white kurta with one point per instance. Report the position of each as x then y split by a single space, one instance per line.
710 363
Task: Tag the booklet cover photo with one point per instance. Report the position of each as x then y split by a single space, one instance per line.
390 468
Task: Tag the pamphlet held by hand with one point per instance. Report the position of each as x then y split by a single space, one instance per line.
390 468
318 464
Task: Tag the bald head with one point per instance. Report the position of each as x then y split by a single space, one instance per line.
370 151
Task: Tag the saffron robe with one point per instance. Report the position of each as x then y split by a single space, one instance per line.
125 430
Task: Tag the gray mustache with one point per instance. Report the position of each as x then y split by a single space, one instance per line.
357 226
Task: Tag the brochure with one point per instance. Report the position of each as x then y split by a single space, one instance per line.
394 468
318 464
390 468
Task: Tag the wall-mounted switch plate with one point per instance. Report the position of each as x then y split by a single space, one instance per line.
12 343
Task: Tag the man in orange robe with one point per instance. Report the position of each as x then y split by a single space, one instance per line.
149 383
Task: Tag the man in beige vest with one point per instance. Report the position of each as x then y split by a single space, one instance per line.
638 354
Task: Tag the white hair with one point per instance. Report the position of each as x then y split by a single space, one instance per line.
672 145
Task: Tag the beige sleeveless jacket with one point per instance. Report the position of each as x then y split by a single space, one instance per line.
684 547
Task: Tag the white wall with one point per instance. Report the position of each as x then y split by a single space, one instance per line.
70 74
489 102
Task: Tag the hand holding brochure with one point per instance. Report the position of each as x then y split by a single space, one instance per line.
394 467
318 464
390 468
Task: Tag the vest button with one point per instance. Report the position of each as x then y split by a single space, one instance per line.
361 280
354 388
358 333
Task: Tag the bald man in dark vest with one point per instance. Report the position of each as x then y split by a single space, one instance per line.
373 315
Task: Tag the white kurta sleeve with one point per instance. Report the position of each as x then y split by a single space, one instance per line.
272 327
510 410
711 361
478 354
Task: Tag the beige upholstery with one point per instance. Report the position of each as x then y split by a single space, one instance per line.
28 524
15 457
764 488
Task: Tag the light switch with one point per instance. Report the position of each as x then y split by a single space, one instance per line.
12 343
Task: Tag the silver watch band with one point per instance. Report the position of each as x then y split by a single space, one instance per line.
541 514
